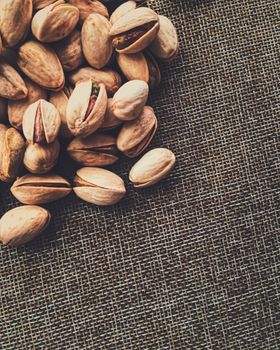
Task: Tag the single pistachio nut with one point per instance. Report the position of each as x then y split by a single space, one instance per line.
87 7
97 149
41 158
130 99
54 22
12 150
41 122
152 167
12 85
41 64
165 45
69 51
136 135
134 31
22 224
111 79
40 189
15 18
154 71
110 120
86 108
60 100
3 110
134 66
122 10
98 186
16 109
39 4
96 41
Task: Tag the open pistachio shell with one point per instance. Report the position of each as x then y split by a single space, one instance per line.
122 10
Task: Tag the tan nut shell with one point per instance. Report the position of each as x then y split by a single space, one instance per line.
54 22
39 4
77 108
96 42
134 66
110 120
12 85
22 224
122 10
41 64
130 99
87 7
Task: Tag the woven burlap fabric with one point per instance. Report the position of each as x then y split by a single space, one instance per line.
190 263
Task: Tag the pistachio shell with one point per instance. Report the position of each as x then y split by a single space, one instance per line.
96 42
99 186
55 21
22 224
41 64
122 10
87 7
134 66
110 120
130 99
39 4
12 85
152 167
3 110
44 188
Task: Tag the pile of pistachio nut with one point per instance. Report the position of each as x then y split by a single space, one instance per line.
74 70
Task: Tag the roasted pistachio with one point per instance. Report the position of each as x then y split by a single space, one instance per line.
3 110
12 85
94 150
134 31
122 10
55 21
86 108
41 158
22 224
152 167
87 7
110 120
130 99
134 66
136 135
98 186
39 4
40 189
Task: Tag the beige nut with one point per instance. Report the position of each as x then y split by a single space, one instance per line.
12 85
87 7
122 10
39 4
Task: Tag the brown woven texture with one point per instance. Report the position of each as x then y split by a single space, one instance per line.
190 263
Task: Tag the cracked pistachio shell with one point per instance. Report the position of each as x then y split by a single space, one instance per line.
82 118
136 135
134 66
41 122
96 41
12 151
122 10
97 149
152 167
39 4
98 186
3 110
41 158
55 21
111 79
165 45
12 85
130 99
41 64
142 24
16 109
87 7
44 188
110 120
22 224
15 17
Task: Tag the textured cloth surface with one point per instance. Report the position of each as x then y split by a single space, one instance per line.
190 263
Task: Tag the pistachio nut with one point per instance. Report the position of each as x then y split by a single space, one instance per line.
60 100
69 51
15 18
152 167
41 158
41 64
40 189
3 110
136 135
39 4
122 10
165 45
12 85
86 108
16 109
130 99
134 31
87 7
110 120
134 66
55 21
22 224
94 150
111 79
98 186
95 34
12 151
